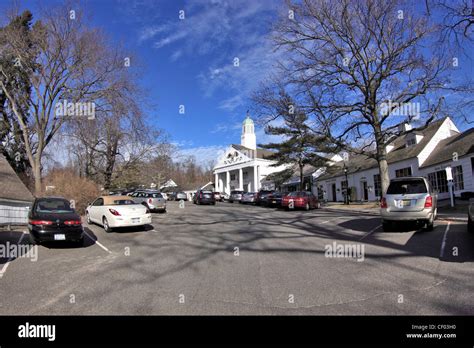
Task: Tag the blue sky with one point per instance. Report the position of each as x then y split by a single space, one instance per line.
190 62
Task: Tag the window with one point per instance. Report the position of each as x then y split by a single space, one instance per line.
343 184
377 185
458 179
232 176
411 141
409 186
403 172
438 181
98 201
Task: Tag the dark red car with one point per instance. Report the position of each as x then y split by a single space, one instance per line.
300 199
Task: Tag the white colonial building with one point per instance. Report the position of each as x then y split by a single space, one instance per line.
244 166
438 148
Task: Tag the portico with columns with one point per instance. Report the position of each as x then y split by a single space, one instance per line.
244 166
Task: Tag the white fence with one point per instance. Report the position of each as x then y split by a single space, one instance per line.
13 215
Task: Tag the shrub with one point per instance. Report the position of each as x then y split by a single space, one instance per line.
66 183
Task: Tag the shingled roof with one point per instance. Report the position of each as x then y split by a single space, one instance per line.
11 186
261 153
399 152
462 144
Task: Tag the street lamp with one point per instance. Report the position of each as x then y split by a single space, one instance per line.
347 186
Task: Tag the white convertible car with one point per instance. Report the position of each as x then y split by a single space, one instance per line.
117 211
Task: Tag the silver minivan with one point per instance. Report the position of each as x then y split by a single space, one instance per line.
409 199
151 198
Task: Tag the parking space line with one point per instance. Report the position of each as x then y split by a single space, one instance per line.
370 232
443 243
97 242
5 266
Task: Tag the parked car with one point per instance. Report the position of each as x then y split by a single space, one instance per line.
204 197
262 197
53 219
165 196
470 216
300 199
409 199
217 196
275 199
235 196
172 196
117 211
225 197
249 197
152 199
181 196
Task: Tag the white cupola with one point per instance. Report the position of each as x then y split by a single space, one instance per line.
248 138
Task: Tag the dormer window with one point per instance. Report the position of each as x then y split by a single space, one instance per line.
411 141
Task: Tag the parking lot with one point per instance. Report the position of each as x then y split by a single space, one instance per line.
236 259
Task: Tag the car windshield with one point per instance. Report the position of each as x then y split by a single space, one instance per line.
401 187
122 202
54 206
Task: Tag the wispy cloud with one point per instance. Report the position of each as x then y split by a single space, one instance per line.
204 155
222 30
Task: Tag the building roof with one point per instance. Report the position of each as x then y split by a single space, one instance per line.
462 144
399 152
11 186
261 153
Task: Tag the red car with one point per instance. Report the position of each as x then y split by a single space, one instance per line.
300 199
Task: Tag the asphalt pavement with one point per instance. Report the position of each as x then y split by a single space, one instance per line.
237 259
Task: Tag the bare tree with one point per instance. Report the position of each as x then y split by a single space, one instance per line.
353 65
69 62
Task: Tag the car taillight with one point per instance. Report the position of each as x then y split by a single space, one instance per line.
72 222
429 202
114 212
200 195
40 222
150 201
383 203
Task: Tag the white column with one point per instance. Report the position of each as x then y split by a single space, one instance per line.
216 182
255 178
241 179
227 182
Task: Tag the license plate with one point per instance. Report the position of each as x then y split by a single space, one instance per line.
59 237
135 220
274 202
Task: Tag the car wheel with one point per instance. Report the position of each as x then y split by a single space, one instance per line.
307 207
33 241
89 221
105 223
430 225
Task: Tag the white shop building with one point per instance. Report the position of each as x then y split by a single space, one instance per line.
244 167
426 153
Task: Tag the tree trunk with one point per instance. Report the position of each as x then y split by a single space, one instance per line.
301 177
37 175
